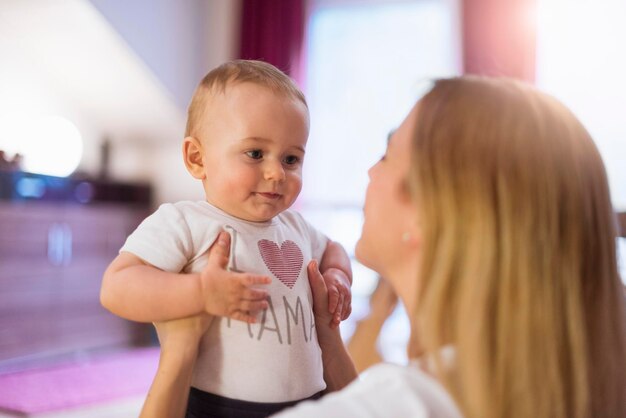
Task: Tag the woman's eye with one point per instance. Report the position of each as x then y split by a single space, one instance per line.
382 158
255 154
291 160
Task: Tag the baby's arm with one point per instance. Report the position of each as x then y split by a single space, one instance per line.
141 292
337 272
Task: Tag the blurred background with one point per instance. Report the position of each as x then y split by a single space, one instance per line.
93 98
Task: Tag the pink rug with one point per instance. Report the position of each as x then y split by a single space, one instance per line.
67 386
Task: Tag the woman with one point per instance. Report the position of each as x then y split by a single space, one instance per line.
490 216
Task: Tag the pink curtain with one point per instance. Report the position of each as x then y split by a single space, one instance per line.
499 38
273 31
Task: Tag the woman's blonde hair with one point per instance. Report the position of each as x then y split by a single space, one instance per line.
519 270
238 71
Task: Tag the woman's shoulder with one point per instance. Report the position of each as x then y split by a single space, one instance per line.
383 391
412 389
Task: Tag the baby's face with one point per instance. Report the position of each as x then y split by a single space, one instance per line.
253 149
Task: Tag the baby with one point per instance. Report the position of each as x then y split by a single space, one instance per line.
246 136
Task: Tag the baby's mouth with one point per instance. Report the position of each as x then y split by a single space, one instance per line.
272 196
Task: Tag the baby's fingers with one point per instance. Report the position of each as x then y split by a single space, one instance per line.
347 305
337 314
333 298
244 316
346 312
254 294
253 305
251 280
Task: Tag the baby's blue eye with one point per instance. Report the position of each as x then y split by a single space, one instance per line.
255 154
291 160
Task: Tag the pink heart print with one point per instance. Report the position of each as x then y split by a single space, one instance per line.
285 262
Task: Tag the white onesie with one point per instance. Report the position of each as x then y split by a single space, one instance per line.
277 359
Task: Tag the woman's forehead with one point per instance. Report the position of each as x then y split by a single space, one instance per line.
400 136
408 123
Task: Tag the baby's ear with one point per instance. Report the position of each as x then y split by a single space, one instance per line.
192 155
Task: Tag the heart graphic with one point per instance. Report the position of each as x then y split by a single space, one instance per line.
285 262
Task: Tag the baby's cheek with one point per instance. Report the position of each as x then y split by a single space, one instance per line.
295 186
239 182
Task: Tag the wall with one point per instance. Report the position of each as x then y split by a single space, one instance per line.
168 36
179 41
118 70
63 59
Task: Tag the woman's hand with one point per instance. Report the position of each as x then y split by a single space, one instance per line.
339 369
180 341
182 335
323 316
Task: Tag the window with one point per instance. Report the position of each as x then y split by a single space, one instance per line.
367 63
581 59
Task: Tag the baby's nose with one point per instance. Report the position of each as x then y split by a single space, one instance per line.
274 171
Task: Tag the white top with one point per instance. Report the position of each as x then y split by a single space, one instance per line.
621 258
277 359
383 391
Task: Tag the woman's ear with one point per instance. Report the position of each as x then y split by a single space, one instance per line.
413 233
192 155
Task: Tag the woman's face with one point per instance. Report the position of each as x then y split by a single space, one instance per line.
389 236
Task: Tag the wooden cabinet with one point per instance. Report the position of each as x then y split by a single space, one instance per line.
52 257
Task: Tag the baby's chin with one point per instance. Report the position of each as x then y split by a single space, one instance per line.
259 214
264 212
253 210
258 219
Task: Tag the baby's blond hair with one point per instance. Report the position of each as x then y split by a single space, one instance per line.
238 71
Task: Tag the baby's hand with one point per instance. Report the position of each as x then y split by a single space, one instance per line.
339 295
228 293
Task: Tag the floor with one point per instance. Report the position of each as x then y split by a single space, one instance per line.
111 386
124 408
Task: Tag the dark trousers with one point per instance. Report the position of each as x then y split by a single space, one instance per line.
207 405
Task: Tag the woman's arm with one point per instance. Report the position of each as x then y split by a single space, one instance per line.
339 369
362 344
169 392
180 340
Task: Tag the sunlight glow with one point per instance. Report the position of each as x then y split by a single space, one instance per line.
50 145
